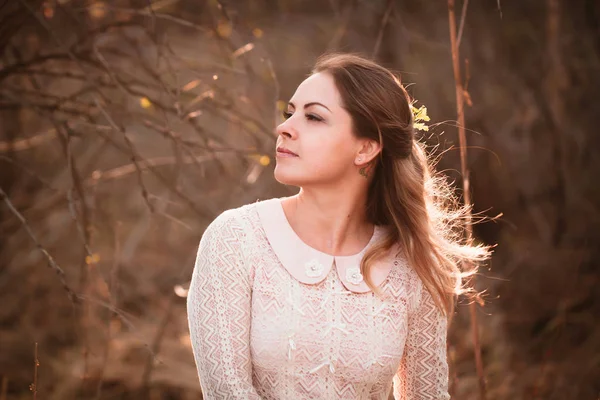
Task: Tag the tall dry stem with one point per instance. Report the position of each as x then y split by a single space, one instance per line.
460 103
4 388
36 364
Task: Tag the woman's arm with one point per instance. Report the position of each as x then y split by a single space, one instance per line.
423 372
219 311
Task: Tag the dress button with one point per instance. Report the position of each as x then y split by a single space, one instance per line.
354 276
313 268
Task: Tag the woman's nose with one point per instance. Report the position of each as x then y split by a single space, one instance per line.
286 129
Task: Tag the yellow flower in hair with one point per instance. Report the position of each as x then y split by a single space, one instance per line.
420 117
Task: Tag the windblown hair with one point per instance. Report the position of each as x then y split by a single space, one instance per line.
406 194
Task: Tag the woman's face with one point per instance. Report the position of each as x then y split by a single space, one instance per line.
319 131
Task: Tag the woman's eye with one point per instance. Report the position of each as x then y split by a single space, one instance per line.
310 117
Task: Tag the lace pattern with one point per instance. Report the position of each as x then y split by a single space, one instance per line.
259 333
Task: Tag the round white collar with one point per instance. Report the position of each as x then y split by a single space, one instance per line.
311 266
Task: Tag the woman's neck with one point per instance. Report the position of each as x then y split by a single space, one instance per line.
334 223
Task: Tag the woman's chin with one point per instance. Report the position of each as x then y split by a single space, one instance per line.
287 181
287 178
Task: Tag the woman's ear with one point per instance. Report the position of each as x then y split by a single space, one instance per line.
368 150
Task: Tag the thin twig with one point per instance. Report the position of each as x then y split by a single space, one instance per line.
277 90
36 364
30 172
78 186
460 102
134 157
65 136
144 12
162 179
382 26
27 143
113 292
145 164
463 17
123 315
81 223
9 70
51 263
156 343
4 387
343 25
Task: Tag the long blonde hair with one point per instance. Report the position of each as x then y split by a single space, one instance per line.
406 194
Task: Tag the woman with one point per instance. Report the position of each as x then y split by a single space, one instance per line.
343 290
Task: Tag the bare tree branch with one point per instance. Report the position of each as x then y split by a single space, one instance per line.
51 262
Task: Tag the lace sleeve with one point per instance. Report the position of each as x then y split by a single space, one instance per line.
218 307
423 372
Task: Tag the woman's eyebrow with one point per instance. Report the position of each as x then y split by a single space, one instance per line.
313 103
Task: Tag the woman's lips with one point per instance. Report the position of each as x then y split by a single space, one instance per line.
283 154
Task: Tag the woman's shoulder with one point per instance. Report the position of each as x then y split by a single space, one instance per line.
242 218
404 279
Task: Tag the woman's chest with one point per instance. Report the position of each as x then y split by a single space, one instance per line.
324 328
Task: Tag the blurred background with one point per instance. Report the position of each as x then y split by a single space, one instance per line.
126 126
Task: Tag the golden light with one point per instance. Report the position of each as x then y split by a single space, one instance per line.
185 340
264 160
224 28
162 5
97 174
215 77
48 10
180 291
145 102
254 173
257 32
191 85
97 10
251 126
194 114
208 94
281 105
92 258
242 50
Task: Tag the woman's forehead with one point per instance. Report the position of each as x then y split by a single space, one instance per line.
319 87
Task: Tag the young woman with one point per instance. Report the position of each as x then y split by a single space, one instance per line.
342 291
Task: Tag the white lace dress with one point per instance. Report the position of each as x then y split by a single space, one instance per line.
272 318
